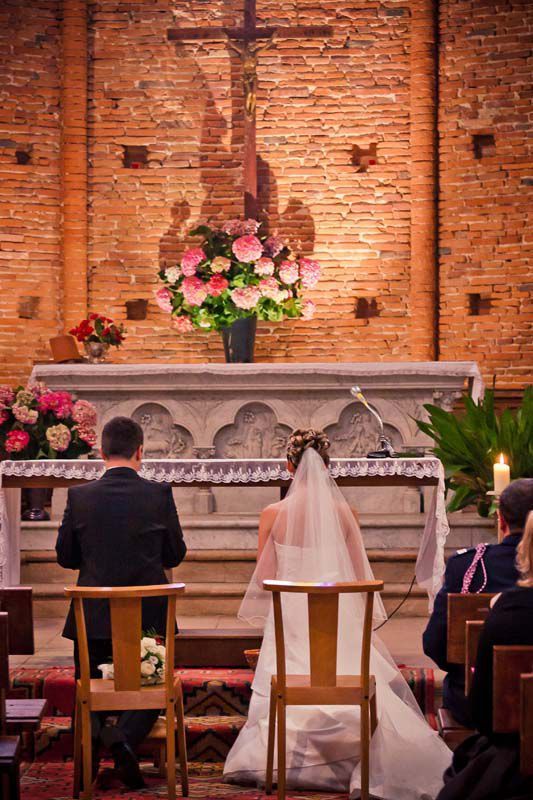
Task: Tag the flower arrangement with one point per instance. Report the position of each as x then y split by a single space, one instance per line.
153 655
97 328
36 422
235 273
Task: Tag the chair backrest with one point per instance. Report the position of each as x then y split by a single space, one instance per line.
125 604
17 601
473 635
526 724
4 668
463 607
509 663
323 610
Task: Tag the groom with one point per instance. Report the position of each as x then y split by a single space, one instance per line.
121 530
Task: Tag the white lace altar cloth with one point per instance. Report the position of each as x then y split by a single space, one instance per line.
224 472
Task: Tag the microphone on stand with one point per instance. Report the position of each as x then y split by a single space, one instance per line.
385 448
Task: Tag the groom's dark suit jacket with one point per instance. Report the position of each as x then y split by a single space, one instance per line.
120 531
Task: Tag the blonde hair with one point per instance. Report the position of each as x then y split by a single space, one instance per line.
302 439
524 554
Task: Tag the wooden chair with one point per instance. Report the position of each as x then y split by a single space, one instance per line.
323 686
526 724
124 692
461 608
512 697
9 745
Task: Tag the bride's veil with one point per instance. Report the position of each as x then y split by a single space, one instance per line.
315 518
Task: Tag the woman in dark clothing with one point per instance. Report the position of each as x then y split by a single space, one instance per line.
487 766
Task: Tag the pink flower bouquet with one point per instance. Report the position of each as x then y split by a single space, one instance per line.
36 422
236 272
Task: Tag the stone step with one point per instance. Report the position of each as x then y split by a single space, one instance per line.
216 566
212 599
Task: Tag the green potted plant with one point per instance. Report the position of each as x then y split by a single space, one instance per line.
470 441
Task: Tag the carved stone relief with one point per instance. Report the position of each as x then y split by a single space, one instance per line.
356 434
256 433
162 437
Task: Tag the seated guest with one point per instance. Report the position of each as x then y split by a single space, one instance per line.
487 766
485 568
121 530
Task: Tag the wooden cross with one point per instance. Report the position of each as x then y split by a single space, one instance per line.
248 42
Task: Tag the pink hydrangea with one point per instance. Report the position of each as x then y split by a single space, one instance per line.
86 434
308 310
246 298
190 260
309 273
288 271
84 413
273 246
270 288
7 396
194 291
4 416
36 387
264 267
220 264
28 416
216 285
183 324
163 298
59 437
237 227
17 441
60 403
247 248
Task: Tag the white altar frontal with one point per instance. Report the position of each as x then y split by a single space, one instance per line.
246 411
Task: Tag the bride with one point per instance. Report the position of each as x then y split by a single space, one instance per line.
313 535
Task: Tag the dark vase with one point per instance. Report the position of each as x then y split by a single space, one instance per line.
36 500
239 341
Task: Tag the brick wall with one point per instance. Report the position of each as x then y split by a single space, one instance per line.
486 202
29 192
316 100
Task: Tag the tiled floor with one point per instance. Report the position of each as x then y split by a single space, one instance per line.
402 635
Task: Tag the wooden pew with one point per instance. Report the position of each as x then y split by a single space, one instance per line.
473 634
462 608
22 715
17 602
512 697
9 745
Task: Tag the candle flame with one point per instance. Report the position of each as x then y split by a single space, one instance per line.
502 459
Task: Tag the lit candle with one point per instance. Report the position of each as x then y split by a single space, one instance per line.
502 475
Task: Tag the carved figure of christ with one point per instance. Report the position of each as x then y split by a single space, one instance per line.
248 41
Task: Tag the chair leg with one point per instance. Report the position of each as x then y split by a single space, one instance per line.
171 750
77 752
271 740
373 714
282 749
182 745
365 750
86 746
14 782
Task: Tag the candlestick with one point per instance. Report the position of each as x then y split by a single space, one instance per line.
502 475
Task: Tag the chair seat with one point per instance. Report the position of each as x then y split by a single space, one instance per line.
348 690
9 750
24 715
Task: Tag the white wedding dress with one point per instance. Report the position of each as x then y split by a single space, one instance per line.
313 538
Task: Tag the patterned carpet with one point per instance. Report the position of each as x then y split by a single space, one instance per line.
53 781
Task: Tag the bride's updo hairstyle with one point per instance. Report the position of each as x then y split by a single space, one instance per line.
302 439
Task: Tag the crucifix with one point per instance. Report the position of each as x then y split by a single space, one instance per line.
248 41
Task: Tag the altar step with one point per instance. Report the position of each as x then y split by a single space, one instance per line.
216 581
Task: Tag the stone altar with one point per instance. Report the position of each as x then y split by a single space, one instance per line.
247 411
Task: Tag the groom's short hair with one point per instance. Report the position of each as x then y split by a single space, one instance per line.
516 502
121 437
